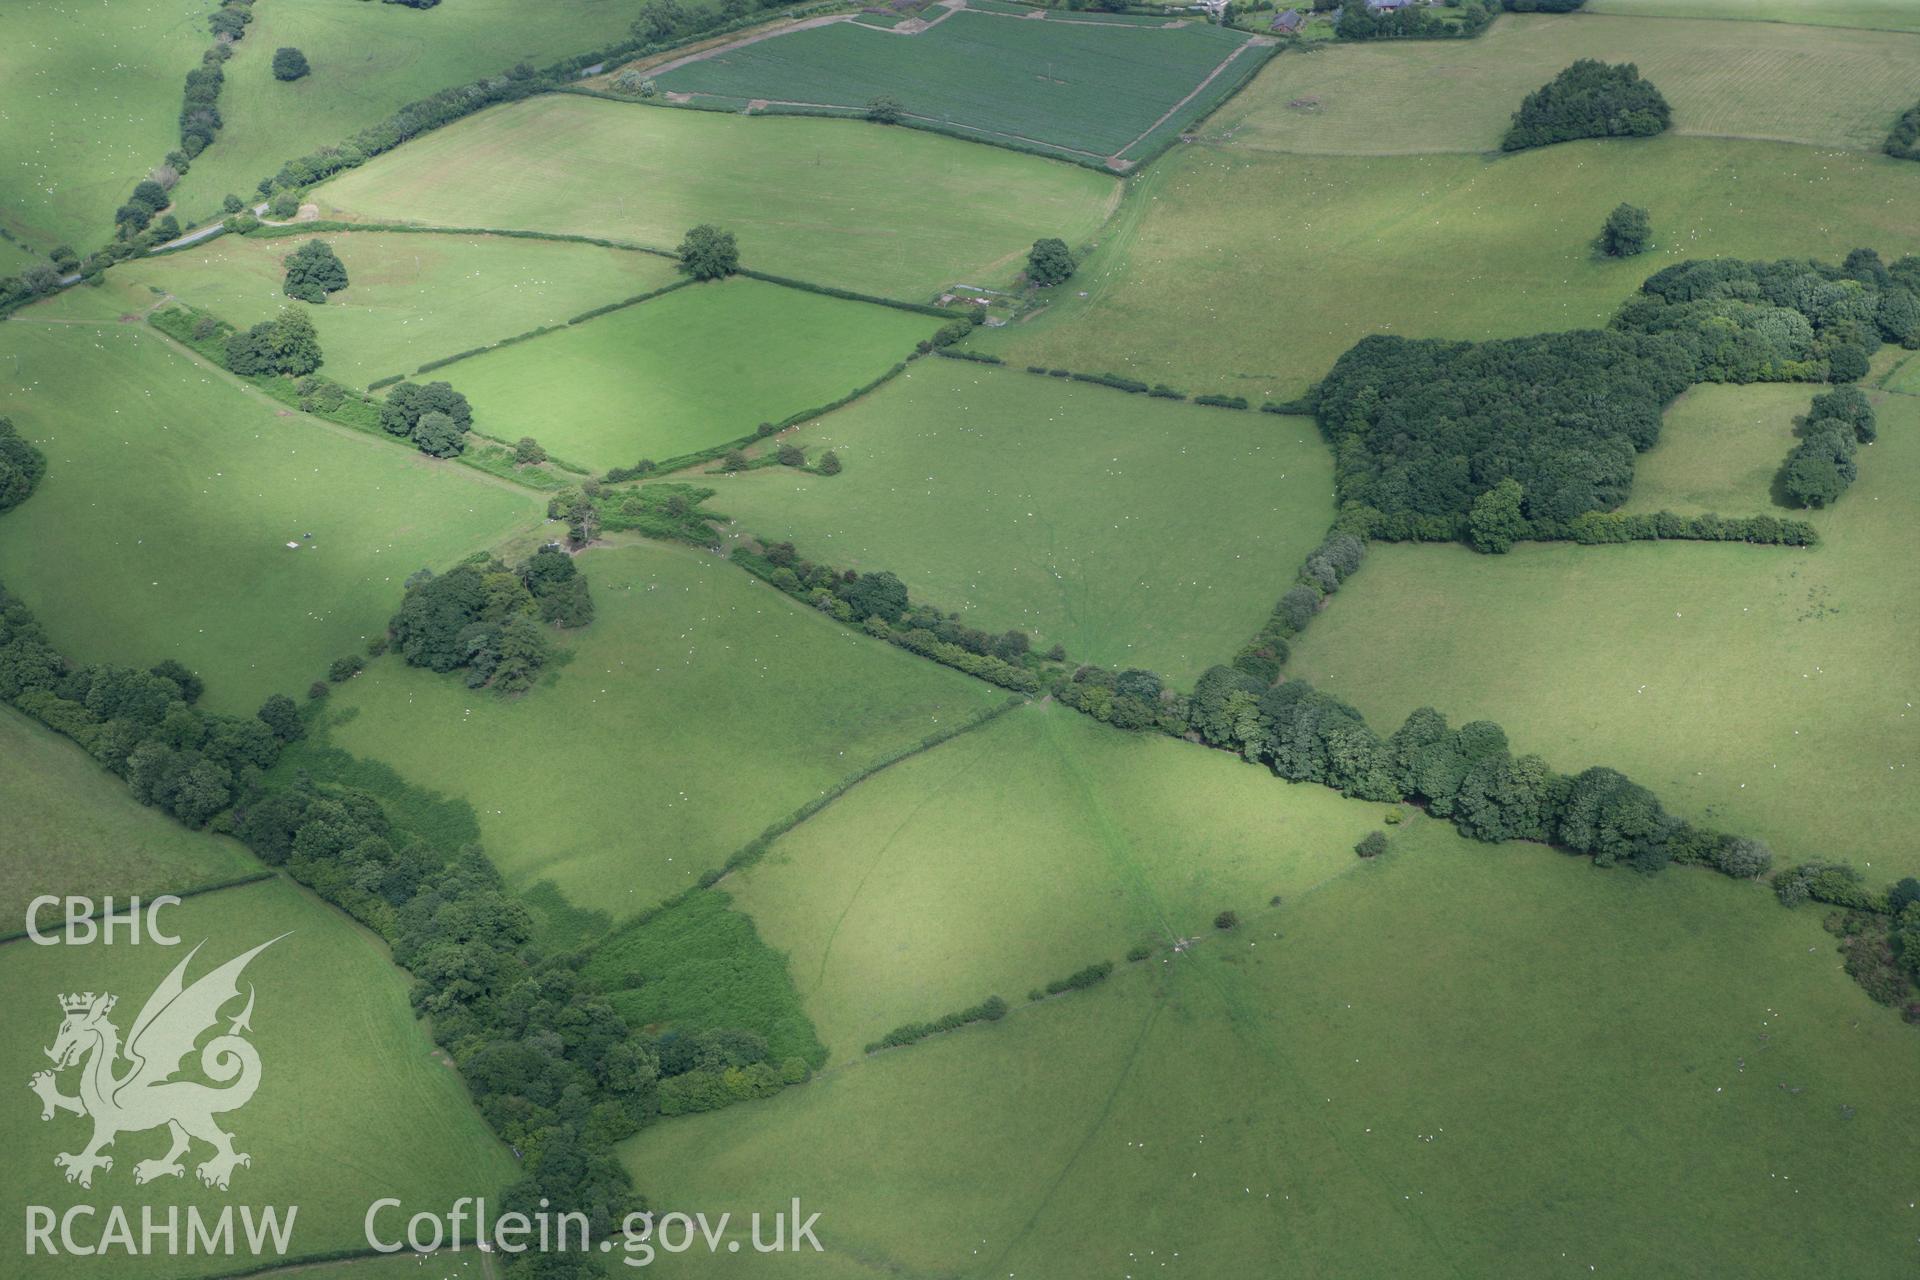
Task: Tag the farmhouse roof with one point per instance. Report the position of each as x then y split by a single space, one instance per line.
1288 21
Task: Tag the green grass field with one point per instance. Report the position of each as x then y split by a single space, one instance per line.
898 903
412 298
467 1264
1883 15
1132 530
1762 690
354 1102
699 707
1236 271
677 374
87 107
369 60
1087 88
887 211
1720 448
160 530
1462 1061
72 828
1828 86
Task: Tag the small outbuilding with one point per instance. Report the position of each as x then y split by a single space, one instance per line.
1288 23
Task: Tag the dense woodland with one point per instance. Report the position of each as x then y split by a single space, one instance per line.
1423 429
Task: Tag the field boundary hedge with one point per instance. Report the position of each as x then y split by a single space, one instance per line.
709 454
275 230
355 410
582 318
992 1009
234 882
756 848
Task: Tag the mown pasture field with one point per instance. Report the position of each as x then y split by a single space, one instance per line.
1221 244
1826 86
1087 88
888 211
171 493
354 1101
1484 1061
411 298
1761 690
72 828
369 60
898 904
87 107
1720 449
1881 15
700 707
673 375
1134 531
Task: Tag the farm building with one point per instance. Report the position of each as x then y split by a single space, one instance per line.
1288 23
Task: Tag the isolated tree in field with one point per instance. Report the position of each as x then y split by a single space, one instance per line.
314 271
1495 522
528 452
791 455
1372 845
1627 231
829 463
884 109
708 253
1049 262
289 64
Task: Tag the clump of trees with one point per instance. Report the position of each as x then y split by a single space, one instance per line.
1903 142
484 619
1590 99
314 271
21 467
1821 467
148 199
229 21
884 109
287 345
435 417
1627 231
1049 262
289 64
708 253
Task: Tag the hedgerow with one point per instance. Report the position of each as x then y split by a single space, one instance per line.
992 1009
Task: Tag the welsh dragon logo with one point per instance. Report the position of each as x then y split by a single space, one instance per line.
144 1095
